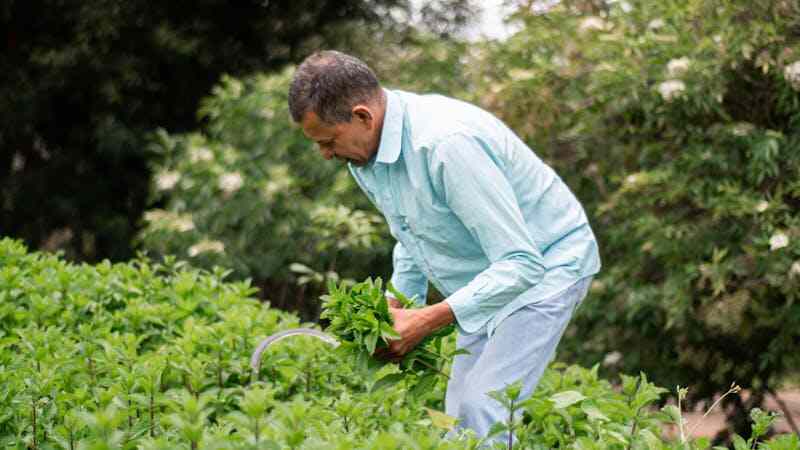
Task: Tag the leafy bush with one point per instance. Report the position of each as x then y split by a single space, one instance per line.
675 122
154 356
253 195
678 125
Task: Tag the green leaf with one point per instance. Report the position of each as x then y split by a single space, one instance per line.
564 399
388 381
441 420
739 443
593 412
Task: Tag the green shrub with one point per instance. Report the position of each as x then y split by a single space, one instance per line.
154 356
678 125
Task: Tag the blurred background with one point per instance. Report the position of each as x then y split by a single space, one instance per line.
131 127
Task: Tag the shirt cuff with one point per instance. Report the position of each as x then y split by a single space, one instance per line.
470 316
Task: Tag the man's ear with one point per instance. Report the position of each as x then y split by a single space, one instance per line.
363 114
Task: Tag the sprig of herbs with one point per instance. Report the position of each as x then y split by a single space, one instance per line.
359 317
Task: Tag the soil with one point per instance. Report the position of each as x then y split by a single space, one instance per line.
715 421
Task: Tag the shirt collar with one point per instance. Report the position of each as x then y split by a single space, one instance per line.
392 133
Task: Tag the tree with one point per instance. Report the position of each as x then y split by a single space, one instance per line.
84 83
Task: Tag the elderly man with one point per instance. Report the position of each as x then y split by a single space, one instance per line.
474 211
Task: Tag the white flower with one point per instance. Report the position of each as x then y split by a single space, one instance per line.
521 74
18 163
206 246
266 113
230 182
792 74
200 154
612 358
183 223
671 89
631 179
794 271
155 215
655 24
168 220
762 206
742 128
778 241
597 286
677 67
592 24
166 180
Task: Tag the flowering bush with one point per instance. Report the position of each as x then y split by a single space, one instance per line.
251 193
678 124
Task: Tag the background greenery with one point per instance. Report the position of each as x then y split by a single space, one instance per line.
675 122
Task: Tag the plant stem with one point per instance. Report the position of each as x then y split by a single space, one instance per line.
733 390
152 415
636 415
33 413
432 353
680 420
511 426
433 368
786 412
219 369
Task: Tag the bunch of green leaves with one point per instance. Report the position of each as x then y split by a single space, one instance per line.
359 316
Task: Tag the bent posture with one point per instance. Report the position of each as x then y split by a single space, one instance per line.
474 211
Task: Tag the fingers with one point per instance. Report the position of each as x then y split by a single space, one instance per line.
394 303
394 352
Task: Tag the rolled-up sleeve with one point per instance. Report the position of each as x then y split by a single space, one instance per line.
407 277
469 177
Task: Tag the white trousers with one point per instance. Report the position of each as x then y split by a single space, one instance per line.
520 349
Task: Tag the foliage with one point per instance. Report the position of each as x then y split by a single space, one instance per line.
359 316
254 196
677 124
85 83
154 356
250 192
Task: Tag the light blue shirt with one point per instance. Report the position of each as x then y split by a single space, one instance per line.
474 211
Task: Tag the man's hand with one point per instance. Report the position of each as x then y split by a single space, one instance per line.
413 325
393 302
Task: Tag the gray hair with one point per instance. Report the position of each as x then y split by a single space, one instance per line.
330 83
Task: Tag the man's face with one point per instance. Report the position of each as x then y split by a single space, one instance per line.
352 141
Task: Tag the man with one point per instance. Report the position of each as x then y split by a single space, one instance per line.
475 212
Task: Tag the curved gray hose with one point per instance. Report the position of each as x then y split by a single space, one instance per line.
255 360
